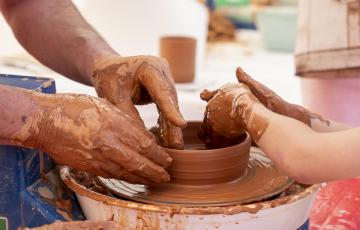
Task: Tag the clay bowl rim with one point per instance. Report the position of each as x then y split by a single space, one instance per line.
178 38
81 190
181 157
243 144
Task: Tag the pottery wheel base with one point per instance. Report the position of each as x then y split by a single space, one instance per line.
261 181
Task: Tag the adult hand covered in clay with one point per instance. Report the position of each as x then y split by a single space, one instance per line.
275 103
125 81
230 111
93 135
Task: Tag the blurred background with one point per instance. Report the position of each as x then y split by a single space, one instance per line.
272 40
258 35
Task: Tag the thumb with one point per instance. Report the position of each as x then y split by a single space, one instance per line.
207 95
258 89
243 77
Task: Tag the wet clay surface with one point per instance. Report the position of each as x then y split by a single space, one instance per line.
260 182
289 195
90 181
209 177
196 165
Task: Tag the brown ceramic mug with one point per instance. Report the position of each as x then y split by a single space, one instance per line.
180 52
196 165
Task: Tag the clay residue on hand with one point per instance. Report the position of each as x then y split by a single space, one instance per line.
125 81
93 135
275 103
231 110
168 135
243 106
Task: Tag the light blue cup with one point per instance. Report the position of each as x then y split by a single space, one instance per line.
277 25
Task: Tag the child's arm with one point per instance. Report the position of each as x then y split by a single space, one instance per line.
296 149
309 156
321 127
276 104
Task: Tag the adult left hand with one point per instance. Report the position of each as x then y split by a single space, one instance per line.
138 80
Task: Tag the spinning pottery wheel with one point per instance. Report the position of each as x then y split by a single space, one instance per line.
203 177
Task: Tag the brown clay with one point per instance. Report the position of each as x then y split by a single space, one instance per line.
196 165
209 177
89 181
180 52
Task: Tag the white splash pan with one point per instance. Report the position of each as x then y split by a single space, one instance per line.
285 213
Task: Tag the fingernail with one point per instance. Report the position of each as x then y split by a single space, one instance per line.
163 178
180 121
183 123
166 177
168 161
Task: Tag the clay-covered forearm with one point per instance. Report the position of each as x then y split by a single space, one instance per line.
16 106
57 35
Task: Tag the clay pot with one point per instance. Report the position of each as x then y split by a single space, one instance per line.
196 165
180 52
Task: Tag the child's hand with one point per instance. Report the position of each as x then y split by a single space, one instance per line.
275 103
231 110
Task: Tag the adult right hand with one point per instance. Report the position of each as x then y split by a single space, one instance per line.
138 80
91 134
